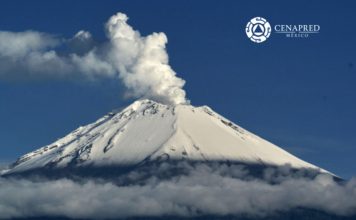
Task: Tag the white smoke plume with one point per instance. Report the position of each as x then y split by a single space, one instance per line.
143 62
140 62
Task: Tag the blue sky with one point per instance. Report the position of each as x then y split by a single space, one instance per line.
297 93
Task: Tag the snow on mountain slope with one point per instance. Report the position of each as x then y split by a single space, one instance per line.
147 130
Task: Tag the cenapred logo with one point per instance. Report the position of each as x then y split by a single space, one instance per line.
258 29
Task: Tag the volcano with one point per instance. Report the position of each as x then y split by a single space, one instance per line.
147 131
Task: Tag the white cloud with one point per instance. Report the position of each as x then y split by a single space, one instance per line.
33 55
203 190
141 62
17 45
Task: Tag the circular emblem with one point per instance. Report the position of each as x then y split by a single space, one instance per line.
258 29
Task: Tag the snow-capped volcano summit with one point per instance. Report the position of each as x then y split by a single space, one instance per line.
150 131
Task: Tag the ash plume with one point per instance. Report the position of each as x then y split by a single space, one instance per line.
139 62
